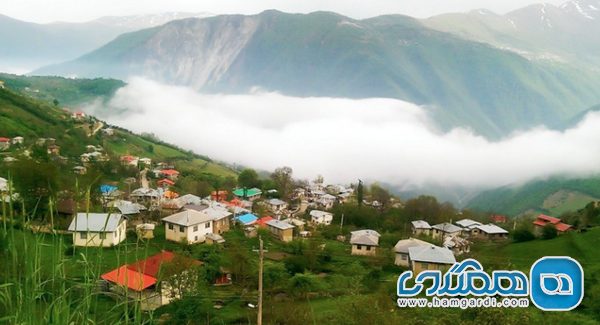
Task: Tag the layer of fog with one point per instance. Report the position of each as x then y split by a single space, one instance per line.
342 139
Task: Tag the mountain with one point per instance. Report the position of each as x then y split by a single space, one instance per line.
553 197
466 83
72 93
541 32
26 46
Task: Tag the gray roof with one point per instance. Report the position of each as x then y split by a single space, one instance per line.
295 222
492 229
188 218
365 237
96 222
468 223
319 213
403 245
447 227
129 209
431 254
279 224
216 214
145 192
421 224
328 197
215 237
191 199
276 202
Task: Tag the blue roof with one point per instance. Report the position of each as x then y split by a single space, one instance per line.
247 218
107 188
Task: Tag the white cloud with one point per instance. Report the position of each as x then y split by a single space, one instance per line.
343 139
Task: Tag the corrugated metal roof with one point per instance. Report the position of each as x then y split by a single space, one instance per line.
188 218
280 224
96 222
431 254
447 227
421 224
492 229
403 245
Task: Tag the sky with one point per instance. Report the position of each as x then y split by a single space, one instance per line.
393 141
44 11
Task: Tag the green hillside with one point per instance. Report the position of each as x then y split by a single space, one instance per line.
69 92
553 197
465 83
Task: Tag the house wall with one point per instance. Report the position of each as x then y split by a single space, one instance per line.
418 231
363 249
221 226
418 267
490 237
93 238
323 220
283 235
188 232
402 259
437 234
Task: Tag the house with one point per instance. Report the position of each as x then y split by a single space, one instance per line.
171 174
282 230
295 222
321 217
145 230
276 205
440 231
191 199
147 282
214 239
9 160
108 131
188 225
218 196
457 245
17 140
468 224
165 182
224 278
247 219
98 229
364 242
220 219
431 257
144 195
78 115
3 184
129 160
543 220
489 232
247 194
420 227
172 204
499 219
93 157
401 250
4 143
145 161
79 170
326 201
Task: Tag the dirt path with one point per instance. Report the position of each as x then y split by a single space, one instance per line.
144 179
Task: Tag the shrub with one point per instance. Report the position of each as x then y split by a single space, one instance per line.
523 235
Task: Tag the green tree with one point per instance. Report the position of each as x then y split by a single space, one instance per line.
248 178
549 232
55 102
380 195
282 178
360 193
35 182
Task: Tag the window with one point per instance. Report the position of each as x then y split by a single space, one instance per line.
207 225
404 257
102 235
196 238
181 229
368 248
424 266
84 235
359 247
195 228
224 221
171 226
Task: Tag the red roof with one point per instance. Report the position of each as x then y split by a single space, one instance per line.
543 220
4 139
263 221
170 172
170 182
79 112
128 158
142 274
546 218
130 278
499 218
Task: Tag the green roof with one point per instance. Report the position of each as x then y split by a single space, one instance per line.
250 192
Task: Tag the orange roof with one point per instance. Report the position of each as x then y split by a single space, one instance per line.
546 218
4 139
133 280
129 158
168 181
171 195
170 172
263 221
543 220
499 218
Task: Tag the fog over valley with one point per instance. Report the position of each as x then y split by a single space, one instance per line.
375 139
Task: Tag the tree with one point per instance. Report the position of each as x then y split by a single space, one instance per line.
180 275
55 102
360 193
549 232
35 182
380 195
282 177
523 235
248 178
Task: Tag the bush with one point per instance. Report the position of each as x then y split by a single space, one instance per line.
69 251
549 232
523 235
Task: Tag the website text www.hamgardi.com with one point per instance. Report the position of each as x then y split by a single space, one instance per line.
463 303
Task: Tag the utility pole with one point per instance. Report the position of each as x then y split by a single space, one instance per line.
260 282
341 225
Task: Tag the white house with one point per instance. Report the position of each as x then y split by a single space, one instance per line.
442 230
98 229
321 217
364 242
420 227
276 205
189 224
